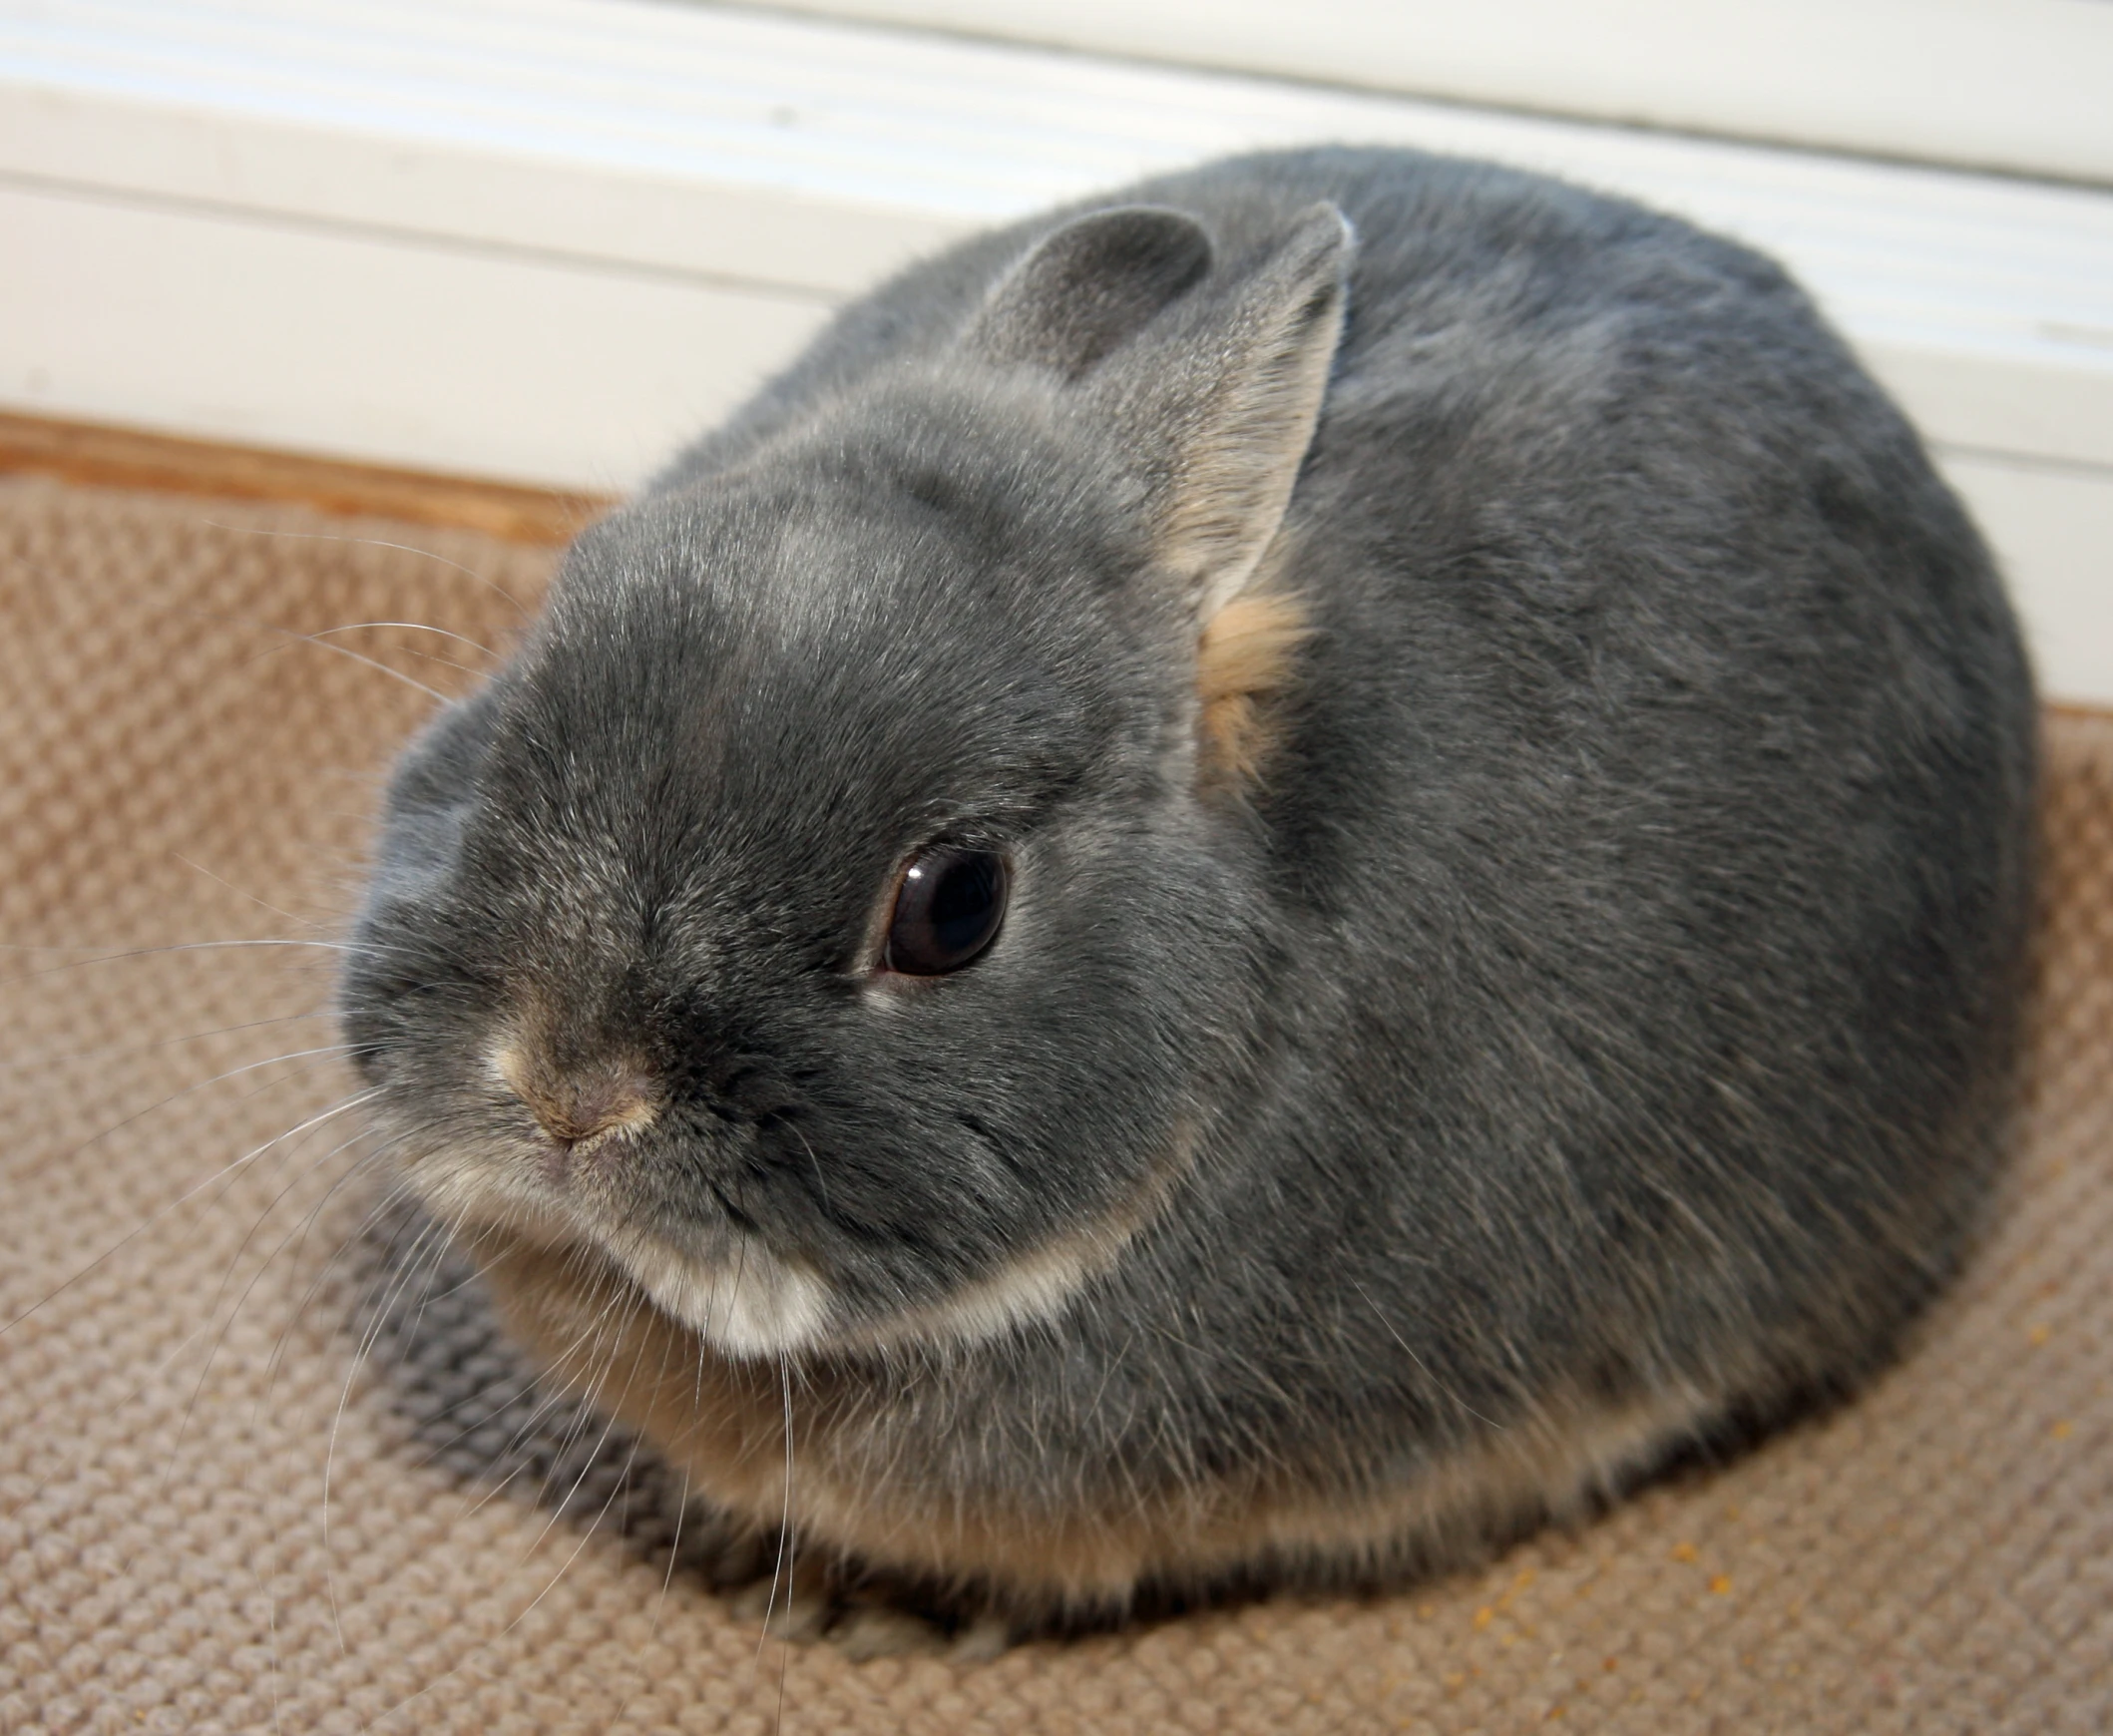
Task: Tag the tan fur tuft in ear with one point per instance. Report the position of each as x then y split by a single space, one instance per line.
1243 659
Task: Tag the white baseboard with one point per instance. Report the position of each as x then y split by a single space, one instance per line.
2052 528
551 238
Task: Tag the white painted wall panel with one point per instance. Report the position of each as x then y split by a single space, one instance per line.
403 352
806 157
2011 84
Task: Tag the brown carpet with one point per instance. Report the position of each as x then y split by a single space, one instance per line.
209 1519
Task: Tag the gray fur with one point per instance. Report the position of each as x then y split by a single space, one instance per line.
1608 990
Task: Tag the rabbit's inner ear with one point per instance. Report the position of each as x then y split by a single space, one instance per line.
1235 411
1089 288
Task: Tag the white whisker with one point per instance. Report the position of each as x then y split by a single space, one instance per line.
213 1310
232 887
38 1063
291 636
410 627
177 1205
378 543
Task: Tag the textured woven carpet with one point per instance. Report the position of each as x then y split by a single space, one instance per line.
212 1517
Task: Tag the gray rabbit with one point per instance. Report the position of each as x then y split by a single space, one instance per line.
1262 879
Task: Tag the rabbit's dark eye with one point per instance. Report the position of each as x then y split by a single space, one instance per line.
946 911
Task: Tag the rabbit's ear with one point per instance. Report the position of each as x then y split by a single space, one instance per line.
1089 288
1223 418
1215 406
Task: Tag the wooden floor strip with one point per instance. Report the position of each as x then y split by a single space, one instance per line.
98 454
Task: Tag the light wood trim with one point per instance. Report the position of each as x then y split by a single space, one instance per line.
96 453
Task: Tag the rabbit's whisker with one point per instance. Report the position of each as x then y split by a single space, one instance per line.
226 1171
490 585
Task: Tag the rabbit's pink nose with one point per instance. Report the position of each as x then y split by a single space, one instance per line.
574 1105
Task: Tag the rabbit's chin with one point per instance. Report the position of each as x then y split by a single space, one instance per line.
740 1297
746 1300
730 1288
756 1303
753 1302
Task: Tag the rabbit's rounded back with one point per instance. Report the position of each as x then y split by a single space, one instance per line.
1510 777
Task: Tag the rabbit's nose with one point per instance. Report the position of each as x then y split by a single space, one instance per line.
576 1105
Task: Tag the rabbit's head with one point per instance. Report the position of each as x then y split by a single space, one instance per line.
842 916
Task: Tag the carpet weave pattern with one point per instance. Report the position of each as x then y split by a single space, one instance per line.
211 1518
